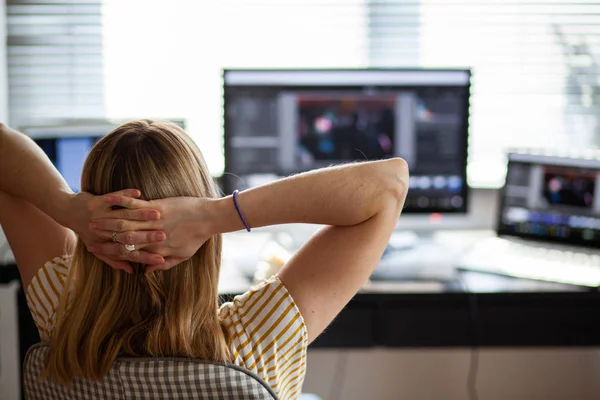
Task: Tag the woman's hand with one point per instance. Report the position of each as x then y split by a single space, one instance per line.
180 220
82 208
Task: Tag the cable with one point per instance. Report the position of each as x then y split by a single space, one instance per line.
338 378
474 361
4 250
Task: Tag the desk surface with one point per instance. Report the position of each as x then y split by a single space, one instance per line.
242 252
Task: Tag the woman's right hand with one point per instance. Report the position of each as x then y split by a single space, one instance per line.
180 220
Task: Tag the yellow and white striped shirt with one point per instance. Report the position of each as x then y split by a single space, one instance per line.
269 335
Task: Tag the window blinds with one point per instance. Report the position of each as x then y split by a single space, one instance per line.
55 60
536 68
536 63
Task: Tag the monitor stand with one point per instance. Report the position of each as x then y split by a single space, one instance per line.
416 257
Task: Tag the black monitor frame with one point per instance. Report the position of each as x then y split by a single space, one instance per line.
228 181
550 160
94 129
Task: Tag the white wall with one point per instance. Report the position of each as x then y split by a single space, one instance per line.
3 65
10 374
425 374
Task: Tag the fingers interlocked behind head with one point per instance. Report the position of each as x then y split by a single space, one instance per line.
120 252
136 237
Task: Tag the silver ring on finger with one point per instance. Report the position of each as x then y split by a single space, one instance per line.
114 236
130 247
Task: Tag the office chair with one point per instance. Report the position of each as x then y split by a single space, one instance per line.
149 378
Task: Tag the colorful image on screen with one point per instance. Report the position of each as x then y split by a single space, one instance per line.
567 187
70 156
345 127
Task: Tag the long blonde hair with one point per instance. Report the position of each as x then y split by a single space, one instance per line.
104 313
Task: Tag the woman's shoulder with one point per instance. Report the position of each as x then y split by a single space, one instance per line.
268 335
44 291
54 269
268 299
59 266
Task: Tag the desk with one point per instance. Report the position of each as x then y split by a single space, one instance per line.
496 312
511 318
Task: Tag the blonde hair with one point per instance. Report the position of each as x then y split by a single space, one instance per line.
104 313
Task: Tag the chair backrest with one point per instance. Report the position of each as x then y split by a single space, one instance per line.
149 378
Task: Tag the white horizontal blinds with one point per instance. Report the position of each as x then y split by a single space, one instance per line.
535 68
170 64
394 28
3 71
580 45
55 60
294 33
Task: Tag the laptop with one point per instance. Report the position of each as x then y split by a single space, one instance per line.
67 144
548 226
68 154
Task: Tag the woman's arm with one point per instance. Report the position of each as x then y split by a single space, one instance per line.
360 202
344 195
37 206
27 173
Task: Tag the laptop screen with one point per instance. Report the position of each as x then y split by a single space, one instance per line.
68 155
551 198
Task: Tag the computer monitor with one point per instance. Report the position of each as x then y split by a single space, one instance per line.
282 122
67 145
551 198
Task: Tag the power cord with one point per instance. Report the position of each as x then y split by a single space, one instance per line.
4 250
474 361
340 368
337 382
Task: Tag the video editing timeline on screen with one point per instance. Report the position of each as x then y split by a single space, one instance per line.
315 118
555 201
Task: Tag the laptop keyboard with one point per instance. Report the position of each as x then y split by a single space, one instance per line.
527 261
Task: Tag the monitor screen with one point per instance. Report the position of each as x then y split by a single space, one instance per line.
552 198
288 121
68 155
68 144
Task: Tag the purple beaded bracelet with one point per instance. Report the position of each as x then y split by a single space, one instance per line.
239 211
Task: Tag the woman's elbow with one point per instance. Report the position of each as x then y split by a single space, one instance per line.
395 183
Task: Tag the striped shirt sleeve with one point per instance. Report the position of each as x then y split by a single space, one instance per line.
44 291
269 336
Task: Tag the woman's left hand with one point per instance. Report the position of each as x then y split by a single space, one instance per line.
182 219
83 207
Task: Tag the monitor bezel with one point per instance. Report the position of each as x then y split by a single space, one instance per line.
465 190
542 159
81 128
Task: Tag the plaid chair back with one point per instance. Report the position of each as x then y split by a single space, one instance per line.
149 378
